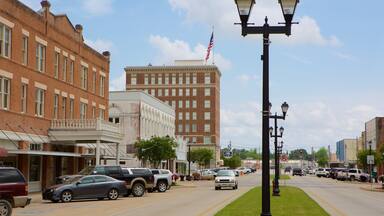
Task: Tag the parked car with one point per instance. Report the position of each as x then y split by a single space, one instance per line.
13 190
226 178
163 179
86 187
321 172
357 174
244 170
138 180
342 174
298 171
237 174
327 172
311 171
333 172
287 169
207 175
253 170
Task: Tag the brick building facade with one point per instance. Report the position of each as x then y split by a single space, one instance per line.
47 73
193 90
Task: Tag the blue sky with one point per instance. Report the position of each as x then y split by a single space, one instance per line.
330 70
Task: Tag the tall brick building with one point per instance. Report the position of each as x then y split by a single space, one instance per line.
193 90
53 90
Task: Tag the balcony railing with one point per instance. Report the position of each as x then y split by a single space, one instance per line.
84 124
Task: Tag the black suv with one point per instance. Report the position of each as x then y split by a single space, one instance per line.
298 171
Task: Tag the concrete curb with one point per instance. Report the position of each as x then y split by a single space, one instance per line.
373 189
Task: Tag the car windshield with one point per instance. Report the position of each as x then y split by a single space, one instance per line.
225 173
72 180
87 170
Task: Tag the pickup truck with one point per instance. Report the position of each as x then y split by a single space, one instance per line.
357 174
163 179
138 180
13 190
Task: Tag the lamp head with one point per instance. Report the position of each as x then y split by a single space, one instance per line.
244 8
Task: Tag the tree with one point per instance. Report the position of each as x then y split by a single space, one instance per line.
362 158
322 157
202 156
232 162
156 149
298 154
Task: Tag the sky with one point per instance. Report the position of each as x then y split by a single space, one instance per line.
330 70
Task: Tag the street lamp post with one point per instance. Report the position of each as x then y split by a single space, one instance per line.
284 109
244 9
279 152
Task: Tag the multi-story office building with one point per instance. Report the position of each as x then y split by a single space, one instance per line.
193 90
53 94
346 151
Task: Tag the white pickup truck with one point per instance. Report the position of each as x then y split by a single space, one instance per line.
163 179
357 174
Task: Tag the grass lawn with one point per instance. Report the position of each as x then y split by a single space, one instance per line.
293 201
282 177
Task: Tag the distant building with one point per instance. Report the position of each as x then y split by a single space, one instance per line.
193 90
374 131
346 151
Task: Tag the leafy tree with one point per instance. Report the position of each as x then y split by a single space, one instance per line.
156 149
232 162
201 155
298 154
322 157
362 158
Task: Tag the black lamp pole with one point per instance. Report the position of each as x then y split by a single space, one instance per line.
244 8
189 160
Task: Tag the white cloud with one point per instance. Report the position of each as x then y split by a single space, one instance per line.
168 51
98 7
223 14
245 78
118 84
100 45
34 4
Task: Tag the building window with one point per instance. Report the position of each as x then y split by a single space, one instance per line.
207 116
180 92
207 140
71 106
180 79
71 71
102 86
5 87
40 57
55 106
173 79
24 51
194 104
187 104
166 92
133 79
180 104
153 92
39 102
173 92
207 104
187 128
173 104
65 66
180 116
83 110
194 128
187 79
94 82
207 78
64 108
194 92
194 139
187 116
146 79
101 113
93 112
24 93
5 41
84 77
194 78
153 79
166 79
194 116
180 128
207 92
160 92
160 79
187 92
207 128
56 65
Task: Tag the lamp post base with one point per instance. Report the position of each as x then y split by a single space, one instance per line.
265 214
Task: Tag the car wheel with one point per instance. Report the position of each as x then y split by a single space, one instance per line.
66 196
352 178
5 208
162 186
138 189
113 194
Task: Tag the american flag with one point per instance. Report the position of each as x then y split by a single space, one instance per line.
210 46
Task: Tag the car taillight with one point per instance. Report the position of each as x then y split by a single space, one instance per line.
26 188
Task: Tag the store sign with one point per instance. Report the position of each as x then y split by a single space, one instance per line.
370 159
3 152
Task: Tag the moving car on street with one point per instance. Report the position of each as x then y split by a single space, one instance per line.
13 190
226 178
87 187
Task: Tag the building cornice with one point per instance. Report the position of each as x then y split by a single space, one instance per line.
161 69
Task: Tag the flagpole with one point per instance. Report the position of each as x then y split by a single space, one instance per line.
213 48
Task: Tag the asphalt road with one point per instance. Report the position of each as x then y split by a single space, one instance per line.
341 198
192 199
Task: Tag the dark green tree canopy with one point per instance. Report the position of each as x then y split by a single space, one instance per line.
362 158
298 154
322 157
232 162
156 149
202 156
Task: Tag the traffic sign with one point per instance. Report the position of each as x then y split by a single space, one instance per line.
227 154
370 159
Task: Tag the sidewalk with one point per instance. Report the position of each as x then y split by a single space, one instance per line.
375 187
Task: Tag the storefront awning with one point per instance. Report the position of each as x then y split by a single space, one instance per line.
47 153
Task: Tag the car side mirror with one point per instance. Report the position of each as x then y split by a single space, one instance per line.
77 183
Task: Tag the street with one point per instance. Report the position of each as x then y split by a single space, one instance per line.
341 198
196 198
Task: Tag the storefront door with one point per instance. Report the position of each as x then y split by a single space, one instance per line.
35 167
